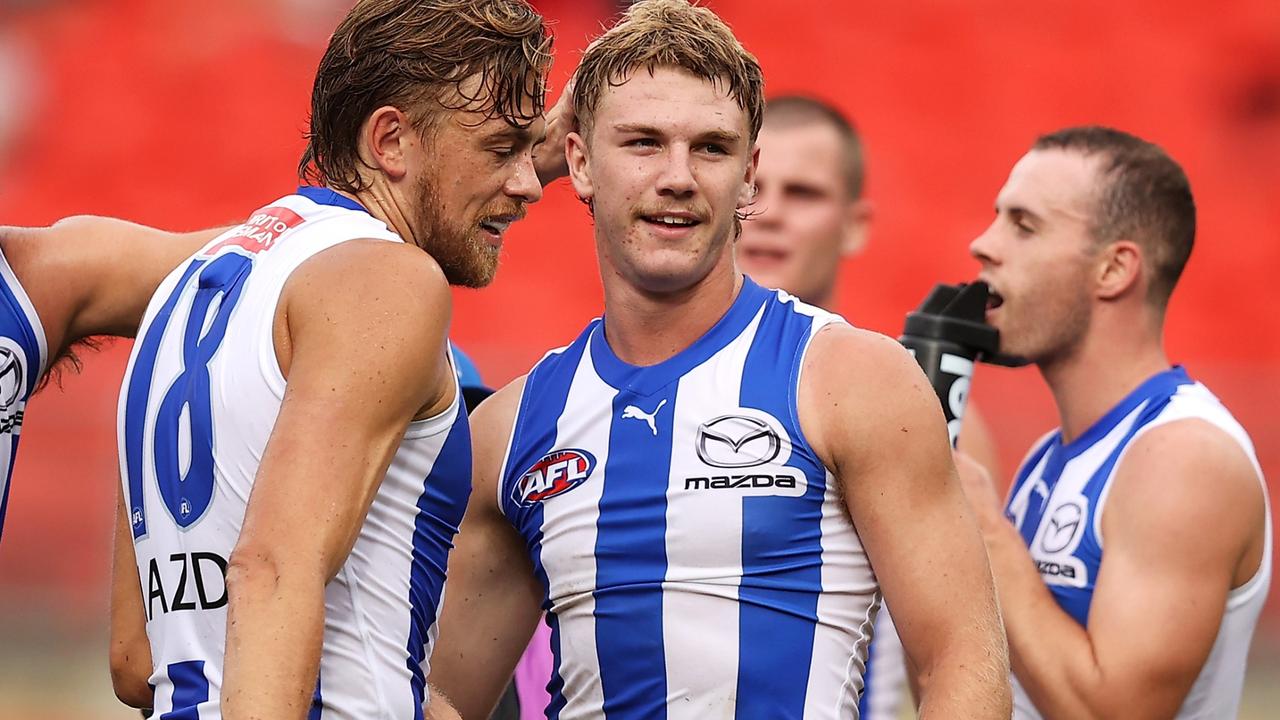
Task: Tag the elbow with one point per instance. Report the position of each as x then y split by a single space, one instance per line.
130 676
258 571
252 569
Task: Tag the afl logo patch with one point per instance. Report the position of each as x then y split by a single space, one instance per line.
12 382
556 473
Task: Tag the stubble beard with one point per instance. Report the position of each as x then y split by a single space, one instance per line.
466 259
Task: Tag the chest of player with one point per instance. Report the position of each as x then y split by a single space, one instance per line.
1057 510
682 489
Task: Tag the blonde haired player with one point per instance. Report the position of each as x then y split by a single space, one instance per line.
679 487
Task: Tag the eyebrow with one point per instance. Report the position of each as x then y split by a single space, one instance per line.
1017 211
721 136
519 135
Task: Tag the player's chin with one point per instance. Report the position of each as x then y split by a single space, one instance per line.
476 270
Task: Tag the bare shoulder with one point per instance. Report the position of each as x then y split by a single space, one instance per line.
371 310
1174 482
492 425
855 383
880 364
370 282
364 263
492 421
1186 471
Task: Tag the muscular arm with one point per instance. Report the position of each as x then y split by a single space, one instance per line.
130 649
1160 570
871 415
103 273
491 607
366 336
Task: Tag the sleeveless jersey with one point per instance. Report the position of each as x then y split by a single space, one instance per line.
1057 502
697 558
885 677
200 397
23 355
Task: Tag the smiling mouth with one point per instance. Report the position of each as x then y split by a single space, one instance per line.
669 220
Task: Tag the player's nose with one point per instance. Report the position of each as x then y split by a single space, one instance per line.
523 184
984 247
676 177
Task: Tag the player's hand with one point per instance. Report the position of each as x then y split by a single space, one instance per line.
548 157
980 490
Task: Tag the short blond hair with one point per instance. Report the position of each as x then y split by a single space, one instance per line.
656 34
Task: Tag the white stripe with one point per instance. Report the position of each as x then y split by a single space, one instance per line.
700 628
845 606
569 543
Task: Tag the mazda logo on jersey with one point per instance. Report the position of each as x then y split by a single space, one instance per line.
556 473
1062 530
737 441
11 378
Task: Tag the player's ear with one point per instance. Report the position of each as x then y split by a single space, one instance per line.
575 147
384 140
1119 269
857 220
747 194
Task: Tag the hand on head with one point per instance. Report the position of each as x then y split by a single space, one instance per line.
548 157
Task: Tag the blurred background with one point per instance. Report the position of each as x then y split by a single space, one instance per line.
190 114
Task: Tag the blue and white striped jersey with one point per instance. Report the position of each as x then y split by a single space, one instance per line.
23 355
199 401
1057 501
697 556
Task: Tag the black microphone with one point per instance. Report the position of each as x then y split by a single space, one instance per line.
947 334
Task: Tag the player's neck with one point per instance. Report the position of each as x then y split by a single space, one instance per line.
645 328
1099 373
381 205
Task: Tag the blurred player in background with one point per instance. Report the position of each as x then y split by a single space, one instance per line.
60 285
810 214
1092 230
654 488
290 418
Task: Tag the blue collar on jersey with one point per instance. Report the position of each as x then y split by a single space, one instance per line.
1162 384
1159 387
647 380
325 196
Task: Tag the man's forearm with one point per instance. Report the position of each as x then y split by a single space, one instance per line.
275 630
969 679
1051 654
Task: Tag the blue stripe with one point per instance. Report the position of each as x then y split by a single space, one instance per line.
325 196
135 404
546 392
631 559
781 537
190 688
1037 503
440 509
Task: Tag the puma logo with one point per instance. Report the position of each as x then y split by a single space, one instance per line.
634 413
